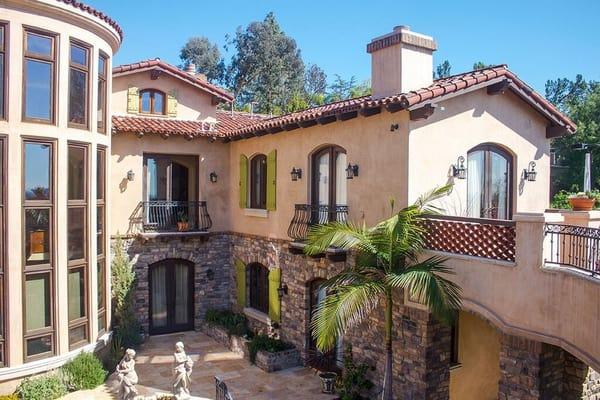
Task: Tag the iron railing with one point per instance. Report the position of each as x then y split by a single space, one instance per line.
306 215
478 237
222 392
170 216
573 246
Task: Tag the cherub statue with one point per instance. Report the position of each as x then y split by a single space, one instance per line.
182 369
127 376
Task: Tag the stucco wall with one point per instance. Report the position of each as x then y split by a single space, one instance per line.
192 103
477 376
463 122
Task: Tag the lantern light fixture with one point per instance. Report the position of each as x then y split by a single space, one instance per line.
296 173
351 171
529 174
130 175
213 177
282 290
459 170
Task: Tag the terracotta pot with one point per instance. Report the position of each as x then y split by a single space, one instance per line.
183 226
582 203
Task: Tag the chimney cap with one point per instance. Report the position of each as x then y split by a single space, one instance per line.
399 28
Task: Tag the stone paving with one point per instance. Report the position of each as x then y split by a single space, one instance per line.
245 381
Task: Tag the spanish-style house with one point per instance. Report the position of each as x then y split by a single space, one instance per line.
214 207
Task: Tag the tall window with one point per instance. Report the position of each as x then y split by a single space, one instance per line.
3 71
2 246
258 181
38 286
77 245
78 84
100 237
259 287
39 77
152 101
328 182
489 170
102 73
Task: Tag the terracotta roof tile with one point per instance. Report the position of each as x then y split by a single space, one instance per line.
176 72
96 13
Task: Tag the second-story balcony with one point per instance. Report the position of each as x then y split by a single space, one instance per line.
177 217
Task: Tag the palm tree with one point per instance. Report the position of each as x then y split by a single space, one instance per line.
387 258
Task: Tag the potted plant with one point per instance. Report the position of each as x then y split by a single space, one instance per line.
183 224
325 365
582 201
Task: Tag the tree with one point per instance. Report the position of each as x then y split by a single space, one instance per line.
442 70
481 65
360 90
315 80
205 55
387 259
267 67
340 88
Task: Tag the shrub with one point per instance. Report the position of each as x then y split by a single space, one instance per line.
84 372
46 387
353 383
561 199
114 355
234 323
12 396
266 343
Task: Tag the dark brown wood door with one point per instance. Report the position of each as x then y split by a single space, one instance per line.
171 296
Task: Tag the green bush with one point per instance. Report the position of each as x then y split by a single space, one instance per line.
84 372
265 343
114 355
234 323
353 383
46 387
561 199
12 396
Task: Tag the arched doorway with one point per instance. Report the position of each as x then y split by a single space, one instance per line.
171 284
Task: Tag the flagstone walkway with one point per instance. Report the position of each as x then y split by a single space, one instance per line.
245 381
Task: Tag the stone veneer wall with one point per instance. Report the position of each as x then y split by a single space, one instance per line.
211 253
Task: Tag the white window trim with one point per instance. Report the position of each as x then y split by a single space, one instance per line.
256 212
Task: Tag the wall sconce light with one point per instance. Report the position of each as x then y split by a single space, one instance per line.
296 174
281 290
459 170
213 177
351 171
529 174
394 127
130 175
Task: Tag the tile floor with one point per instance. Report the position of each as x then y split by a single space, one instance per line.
245 381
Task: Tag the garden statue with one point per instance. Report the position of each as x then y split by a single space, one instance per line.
127 376
182 369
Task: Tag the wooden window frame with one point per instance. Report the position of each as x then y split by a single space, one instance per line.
40 269
261 203
101 251
3 251
81 263
454 343
152 110
332 151
102 102
4 51
86 70
258 293
52 60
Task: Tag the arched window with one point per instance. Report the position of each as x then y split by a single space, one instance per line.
258 279
489 174
152 101
258 181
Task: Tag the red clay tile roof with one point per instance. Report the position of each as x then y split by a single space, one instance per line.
440 88
172 70
140 126
95 13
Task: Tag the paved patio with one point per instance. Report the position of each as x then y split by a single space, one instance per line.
245 381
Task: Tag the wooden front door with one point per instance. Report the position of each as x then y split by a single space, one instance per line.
171 296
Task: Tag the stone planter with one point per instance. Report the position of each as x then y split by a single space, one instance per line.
271 362
237 344
582 203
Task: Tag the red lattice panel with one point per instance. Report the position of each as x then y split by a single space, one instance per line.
488 240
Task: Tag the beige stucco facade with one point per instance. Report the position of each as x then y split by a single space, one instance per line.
67 22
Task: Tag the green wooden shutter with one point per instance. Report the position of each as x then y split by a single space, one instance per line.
133 100
243 181
274 301
172 103
240 278
272 180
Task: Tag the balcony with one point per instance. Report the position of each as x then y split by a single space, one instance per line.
576 247
174 218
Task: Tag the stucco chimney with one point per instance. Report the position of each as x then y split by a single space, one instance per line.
401 61
191 68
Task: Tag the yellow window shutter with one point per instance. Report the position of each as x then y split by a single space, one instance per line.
274 301
133 100
240 278
272 180
243 181
172 103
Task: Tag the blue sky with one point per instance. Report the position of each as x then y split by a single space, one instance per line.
539 40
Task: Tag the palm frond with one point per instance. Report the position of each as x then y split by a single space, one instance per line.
346 306
337 234
424 202
425 283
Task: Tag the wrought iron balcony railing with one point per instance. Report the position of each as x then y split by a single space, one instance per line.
306 215
173 216
573 247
